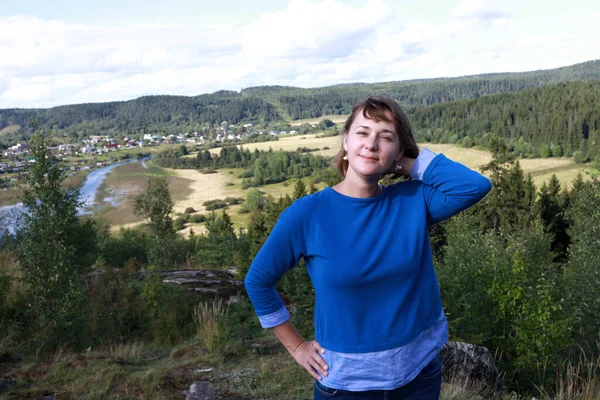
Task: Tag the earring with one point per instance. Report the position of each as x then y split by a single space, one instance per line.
345 158
398 167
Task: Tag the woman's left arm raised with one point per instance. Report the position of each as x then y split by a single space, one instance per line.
449 187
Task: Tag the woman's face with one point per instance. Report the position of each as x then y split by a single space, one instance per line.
371 146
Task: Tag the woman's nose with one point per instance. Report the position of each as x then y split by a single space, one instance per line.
371 144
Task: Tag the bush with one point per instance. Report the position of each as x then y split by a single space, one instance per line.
116 312
234 200
212 205
127 244
189 210
169 309
198 218
178 224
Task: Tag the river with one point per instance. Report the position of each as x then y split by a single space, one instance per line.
88 193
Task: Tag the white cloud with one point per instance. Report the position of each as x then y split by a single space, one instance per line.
309 43
486 10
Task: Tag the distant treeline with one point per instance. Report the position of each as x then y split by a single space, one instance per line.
261 167
268 104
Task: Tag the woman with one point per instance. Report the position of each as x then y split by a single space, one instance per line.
379 323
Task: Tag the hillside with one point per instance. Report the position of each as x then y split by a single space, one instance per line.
271 104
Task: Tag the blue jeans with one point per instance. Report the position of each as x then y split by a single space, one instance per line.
426 386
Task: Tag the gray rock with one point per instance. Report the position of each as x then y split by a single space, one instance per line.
200 391
469 363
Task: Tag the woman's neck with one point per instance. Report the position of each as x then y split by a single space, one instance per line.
353 186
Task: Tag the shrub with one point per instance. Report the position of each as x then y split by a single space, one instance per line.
116 312
234 200
212 205
189 210
169 308
198 218
178 224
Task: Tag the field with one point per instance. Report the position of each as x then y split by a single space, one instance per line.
116 196
291 143
541 169
10 129
190 188
338 119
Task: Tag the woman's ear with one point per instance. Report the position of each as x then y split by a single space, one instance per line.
345 141
400 154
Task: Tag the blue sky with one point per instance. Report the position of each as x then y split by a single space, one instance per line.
66 52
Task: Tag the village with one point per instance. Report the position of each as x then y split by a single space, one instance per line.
101 150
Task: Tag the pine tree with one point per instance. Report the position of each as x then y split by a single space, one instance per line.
299 189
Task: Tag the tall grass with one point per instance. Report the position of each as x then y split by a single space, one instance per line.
208 318
577 380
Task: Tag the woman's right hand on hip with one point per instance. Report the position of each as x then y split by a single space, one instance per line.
308 356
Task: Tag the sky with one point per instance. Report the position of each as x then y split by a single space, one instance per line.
78 51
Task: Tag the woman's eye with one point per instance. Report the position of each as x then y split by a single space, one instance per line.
361 133
386 138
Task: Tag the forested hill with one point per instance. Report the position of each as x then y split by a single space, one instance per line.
553 120
268 104
312 103
149 114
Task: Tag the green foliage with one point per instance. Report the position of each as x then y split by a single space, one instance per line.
156 205
504 291
55 249
125 246
169 309
233 200
189 210
178 224
552 205
299 189
198 218
116 311
220 247
254 201
583 267
511 202
212 205
297 286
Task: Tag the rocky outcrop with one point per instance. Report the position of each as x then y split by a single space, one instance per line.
467 362
211 283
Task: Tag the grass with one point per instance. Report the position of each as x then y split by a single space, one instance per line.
143 371
291 143
128 181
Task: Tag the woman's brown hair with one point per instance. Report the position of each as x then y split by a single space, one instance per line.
378 109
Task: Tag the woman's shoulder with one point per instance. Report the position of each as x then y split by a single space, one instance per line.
405 188
305 205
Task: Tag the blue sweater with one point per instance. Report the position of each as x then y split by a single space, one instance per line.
369 258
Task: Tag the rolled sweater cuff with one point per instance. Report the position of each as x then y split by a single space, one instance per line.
421 163
274 319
